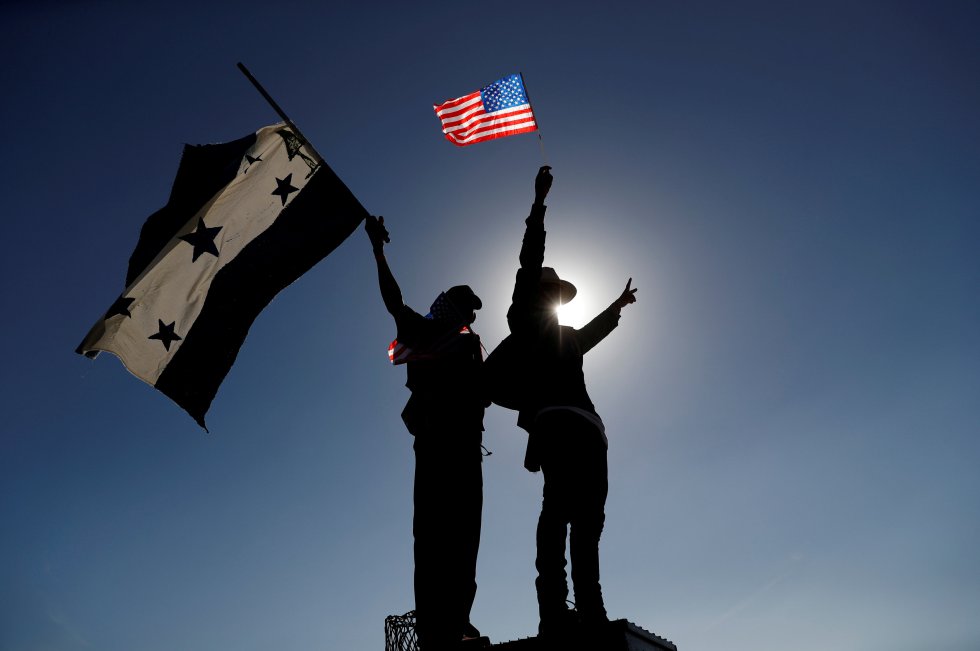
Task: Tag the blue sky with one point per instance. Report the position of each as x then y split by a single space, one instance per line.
792 404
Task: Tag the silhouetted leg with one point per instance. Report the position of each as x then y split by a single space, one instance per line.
552 583
464 489
448 510
471 517
589 461
574 463
431 620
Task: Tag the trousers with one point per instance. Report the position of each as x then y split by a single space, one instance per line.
446 527
576 482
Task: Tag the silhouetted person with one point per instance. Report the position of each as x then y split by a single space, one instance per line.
567 439
445 414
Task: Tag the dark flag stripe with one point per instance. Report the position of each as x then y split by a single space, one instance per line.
203 171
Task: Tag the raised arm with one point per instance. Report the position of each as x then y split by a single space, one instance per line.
391 294
532 249
532 255
596 330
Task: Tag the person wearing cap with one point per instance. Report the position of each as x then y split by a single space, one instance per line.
567 439
445 415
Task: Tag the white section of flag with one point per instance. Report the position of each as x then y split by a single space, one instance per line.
172 288
465 120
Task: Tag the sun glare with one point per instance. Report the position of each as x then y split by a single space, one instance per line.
576 313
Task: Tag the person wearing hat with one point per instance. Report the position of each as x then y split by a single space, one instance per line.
567 439
445 414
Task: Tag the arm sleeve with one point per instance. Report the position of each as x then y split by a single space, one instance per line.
529 274
410 326
596 330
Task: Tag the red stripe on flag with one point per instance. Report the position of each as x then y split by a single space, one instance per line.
480 122
489 127
457 105
465 120
469 120
511 132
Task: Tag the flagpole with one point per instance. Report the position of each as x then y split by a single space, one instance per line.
296 132
544 158
282 114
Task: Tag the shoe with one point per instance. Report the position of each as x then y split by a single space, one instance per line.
593 626
470 631
559 624
593 617
472 639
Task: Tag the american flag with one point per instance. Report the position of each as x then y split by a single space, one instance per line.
399 353
497 110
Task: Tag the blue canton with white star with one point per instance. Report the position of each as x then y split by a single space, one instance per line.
503 94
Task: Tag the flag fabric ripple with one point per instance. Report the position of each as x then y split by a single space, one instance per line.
244 220
497 110
399 353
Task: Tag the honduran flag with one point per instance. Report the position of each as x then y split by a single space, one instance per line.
244 220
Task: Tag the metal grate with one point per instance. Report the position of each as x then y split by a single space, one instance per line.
400 632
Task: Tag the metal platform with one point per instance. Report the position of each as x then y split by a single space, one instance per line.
618 635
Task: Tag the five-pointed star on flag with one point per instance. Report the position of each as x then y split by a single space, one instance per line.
284 188
166 334
202 239
121 307
252 161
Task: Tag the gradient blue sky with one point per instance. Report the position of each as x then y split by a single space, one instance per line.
792 405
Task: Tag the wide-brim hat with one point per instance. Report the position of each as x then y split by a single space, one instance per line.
550 277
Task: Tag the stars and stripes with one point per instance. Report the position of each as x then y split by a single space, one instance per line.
399 353
497 110
208 262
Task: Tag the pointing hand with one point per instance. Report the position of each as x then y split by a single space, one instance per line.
628 296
